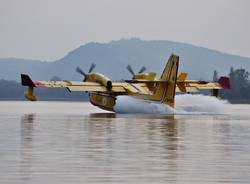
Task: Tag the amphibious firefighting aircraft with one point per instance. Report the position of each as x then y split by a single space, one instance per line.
103 92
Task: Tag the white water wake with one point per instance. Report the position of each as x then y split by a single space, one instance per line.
126 104
199 104
184 104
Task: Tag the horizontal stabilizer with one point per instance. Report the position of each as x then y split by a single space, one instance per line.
182 87
224 83
182 77
26 81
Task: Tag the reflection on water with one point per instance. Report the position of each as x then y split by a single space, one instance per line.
102 115
26 150
111 148
137 116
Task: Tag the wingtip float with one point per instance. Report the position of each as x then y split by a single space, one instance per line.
103 92
26 81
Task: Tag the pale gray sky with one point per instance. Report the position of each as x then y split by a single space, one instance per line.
48 29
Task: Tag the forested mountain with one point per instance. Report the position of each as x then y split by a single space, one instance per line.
112 58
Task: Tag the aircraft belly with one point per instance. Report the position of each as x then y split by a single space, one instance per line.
103 100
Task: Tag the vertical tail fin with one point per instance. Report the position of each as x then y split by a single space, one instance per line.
165 91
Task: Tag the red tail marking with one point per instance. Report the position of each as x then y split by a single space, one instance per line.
224 82
26 81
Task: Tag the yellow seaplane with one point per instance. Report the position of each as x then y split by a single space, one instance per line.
103 92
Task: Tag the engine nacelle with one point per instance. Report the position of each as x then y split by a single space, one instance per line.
100 78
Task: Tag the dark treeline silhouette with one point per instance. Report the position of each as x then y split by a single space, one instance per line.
240 86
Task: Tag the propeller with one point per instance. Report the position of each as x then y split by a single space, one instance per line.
129 68
80 71
142 69
92 67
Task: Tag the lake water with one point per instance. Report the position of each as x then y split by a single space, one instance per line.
74 142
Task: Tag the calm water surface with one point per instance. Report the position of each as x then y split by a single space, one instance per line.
69 142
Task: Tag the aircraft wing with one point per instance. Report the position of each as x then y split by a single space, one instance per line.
70 85
117 87
196 86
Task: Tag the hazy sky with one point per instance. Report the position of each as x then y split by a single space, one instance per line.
48 29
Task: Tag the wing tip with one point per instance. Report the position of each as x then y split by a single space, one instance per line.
26 80
224 82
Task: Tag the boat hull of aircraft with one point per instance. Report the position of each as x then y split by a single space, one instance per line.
102 100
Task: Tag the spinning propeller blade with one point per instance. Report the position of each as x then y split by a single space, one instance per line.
92 67
142 69
129 68
80 71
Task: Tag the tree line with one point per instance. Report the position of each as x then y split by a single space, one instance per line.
240 86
